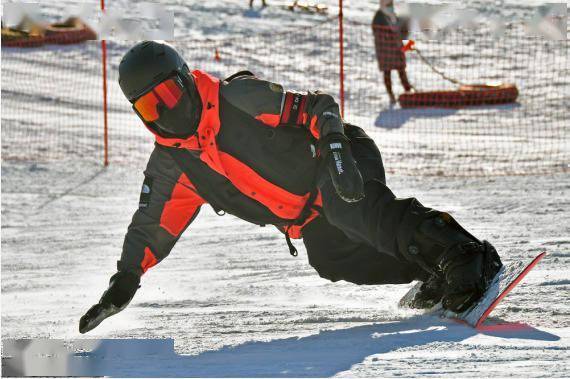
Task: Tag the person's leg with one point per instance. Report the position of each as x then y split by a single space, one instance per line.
388 85
336 257
408 231
375 219
404 79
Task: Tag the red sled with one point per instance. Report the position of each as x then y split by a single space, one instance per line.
464 96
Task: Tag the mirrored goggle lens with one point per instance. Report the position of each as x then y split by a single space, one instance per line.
168 93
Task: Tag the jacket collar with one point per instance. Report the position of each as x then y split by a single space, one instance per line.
209 126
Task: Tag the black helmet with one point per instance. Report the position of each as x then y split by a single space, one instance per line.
146 65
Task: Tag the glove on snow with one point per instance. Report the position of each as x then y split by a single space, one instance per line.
122 288
346 178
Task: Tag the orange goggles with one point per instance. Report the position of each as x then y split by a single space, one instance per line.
167 92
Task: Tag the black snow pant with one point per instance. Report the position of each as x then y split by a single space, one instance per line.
357 242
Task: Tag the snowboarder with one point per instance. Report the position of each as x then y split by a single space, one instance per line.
249 147
388 35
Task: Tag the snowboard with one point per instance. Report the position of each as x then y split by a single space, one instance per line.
506 279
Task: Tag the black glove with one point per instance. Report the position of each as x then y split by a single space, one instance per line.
346 179
122 288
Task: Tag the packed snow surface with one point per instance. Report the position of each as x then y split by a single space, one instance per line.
237 304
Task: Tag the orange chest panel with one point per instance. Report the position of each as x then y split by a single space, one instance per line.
281 202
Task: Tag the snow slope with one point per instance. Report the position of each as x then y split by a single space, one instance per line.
233 299
230 293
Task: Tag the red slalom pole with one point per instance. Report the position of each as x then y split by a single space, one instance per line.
105 119
341 44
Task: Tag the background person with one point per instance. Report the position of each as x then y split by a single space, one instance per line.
388 45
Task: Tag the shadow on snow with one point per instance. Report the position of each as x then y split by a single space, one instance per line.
321 355
394 118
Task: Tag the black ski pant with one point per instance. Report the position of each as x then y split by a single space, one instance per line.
357 242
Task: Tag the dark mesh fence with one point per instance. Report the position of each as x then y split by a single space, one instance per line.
51 102
52 97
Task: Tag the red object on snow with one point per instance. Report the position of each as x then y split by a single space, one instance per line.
464 96
72 31
409 46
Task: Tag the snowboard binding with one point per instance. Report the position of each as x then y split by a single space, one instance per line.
436 288
460 267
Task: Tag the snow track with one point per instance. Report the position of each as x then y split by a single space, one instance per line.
230 292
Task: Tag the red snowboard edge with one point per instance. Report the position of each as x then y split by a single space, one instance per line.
509 288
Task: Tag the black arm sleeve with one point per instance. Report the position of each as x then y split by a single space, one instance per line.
168 204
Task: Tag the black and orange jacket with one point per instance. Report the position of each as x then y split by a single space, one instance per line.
254 156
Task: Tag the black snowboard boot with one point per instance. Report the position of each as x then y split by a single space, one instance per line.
460 265
469 274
